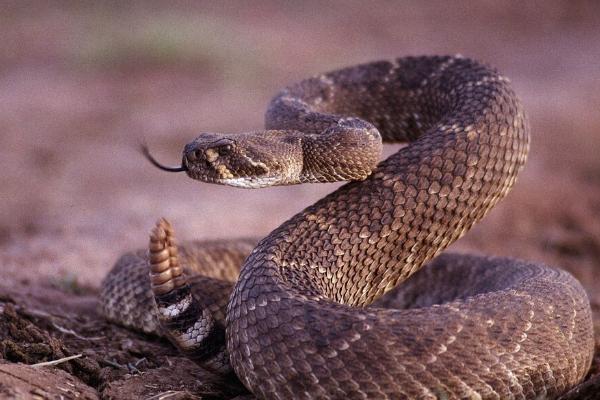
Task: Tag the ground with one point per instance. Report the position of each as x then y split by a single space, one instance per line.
82 83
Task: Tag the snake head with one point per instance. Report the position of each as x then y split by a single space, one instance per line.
248 160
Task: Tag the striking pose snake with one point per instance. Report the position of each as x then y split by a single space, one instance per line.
315 311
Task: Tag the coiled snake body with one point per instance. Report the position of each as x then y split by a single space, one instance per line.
315 312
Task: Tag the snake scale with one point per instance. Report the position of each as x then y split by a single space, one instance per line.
316 311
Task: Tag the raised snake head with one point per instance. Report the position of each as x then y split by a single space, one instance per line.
247 160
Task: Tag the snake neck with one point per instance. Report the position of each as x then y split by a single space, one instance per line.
469 139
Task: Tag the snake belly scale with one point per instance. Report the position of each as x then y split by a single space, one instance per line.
318 309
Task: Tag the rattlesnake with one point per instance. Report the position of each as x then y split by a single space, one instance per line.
315 312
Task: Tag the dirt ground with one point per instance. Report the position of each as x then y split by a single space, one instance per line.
81 83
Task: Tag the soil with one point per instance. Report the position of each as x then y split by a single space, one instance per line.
81 84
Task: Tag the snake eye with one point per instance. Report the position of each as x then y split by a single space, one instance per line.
197 154
225 149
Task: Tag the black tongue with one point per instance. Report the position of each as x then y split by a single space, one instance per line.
146 152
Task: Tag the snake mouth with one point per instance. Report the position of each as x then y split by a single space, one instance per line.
149 157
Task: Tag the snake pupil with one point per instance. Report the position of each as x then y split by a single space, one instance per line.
224 150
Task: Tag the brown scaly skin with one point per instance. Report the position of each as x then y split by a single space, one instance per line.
349 150
187 323
127 296
301 320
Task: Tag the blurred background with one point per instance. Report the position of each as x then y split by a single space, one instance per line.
82 82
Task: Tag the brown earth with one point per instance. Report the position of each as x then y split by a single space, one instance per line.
81 83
